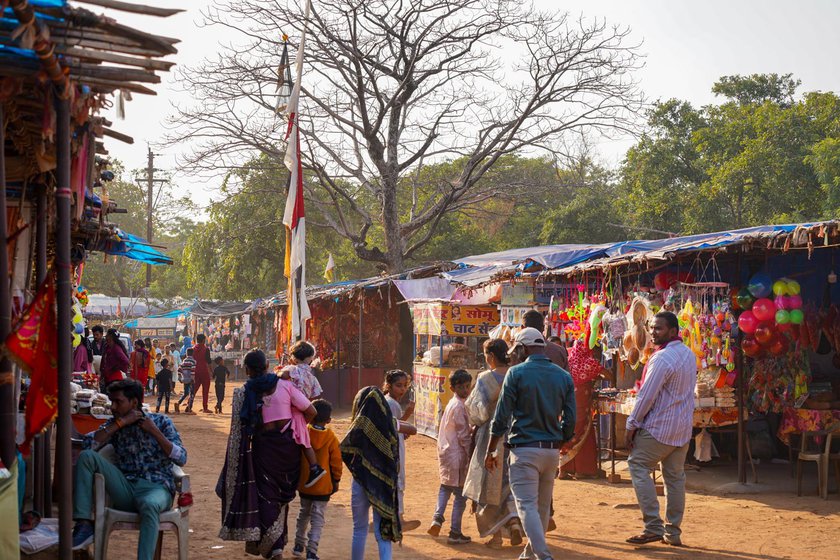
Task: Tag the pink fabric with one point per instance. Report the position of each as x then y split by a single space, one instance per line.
454 443
288 403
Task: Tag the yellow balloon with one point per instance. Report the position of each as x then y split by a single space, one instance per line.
77 339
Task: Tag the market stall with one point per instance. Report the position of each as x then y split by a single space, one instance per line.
447 336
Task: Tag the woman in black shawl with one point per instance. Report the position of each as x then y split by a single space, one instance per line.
262 468
371 452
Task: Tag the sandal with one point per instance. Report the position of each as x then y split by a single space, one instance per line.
644 538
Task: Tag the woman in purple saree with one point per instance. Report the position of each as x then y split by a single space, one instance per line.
261 470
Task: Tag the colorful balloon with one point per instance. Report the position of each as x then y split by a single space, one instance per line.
794 302
747 322
793 287
784 327
780 346
780 287
782 317
781 302
796 316
733 299
760 285
764 334
764 309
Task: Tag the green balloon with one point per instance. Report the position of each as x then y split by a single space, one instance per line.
796 316
782 317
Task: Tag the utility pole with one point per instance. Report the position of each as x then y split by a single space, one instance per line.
150 181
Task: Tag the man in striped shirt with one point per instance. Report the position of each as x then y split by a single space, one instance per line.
659 430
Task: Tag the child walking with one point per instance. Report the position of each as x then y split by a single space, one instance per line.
454 439
220 375
313 500
187 374
164 384
395 387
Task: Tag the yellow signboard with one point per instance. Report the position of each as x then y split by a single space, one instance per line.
431 395
452 319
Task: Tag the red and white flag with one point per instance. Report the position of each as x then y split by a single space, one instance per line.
293 218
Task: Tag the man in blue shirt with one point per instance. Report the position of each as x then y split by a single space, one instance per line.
141 478
537 401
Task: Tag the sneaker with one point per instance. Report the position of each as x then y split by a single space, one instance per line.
82 535
315 474
672 540
311 556
458 538
297 551
434 529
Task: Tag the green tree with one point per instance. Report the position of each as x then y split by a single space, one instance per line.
171 226
762 156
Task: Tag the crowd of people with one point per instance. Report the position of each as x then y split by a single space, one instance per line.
499 446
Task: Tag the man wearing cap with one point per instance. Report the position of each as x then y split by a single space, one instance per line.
537 401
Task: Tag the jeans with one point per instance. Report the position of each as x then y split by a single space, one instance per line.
360 506
311 514
220 395
140 496
189 391
645 455
164 395
532 472
459 505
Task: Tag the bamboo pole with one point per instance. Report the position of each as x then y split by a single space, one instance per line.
118 135
7 385
42 47
134 8
64 465
109 86
43 480
103 56
112 73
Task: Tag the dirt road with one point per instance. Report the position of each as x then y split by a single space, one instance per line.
593 518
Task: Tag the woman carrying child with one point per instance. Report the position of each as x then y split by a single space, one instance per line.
262 463
495 508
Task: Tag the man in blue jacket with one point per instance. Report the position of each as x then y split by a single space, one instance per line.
537 404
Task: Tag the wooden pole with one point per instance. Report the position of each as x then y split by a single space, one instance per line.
133 8
739 365
361 312
64 464
43 453
7 378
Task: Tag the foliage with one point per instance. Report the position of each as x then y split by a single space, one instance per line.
762 156
171 225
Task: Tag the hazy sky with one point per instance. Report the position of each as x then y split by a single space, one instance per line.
688 45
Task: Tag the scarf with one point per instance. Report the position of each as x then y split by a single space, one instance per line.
658 349
254 389
371 452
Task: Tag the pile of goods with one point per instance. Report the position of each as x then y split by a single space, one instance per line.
88 401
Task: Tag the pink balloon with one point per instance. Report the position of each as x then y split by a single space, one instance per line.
747 322
764 309
795 302
781 302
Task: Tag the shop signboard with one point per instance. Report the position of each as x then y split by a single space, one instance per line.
512 316
452 319
517 295
430 396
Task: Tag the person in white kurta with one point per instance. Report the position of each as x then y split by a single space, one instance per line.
453 444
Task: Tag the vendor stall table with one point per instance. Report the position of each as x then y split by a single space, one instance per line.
799 420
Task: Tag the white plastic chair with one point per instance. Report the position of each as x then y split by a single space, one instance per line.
107 520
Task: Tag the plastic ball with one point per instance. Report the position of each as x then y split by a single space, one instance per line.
760 285
747 322
793 287
751 347
782 317
764 334
79 328
784 327
780 346
796 316
794 302
764 309
733 299
780 287
781 302
744 299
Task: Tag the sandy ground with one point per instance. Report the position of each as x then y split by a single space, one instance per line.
593 517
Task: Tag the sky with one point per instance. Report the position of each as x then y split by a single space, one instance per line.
687 47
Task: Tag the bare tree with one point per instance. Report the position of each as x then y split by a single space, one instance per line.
391 86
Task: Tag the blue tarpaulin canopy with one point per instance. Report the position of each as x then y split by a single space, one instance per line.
175 313
480 269
136 248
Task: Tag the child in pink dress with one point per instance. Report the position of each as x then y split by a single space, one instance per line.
288 403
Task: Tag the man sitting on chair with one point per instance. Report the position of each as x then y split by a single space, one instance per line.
140 479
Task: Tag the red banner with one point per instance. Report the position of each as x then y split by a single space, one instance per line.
33 345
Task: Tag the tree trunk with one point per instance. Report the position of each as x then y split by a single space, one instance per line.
391 223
